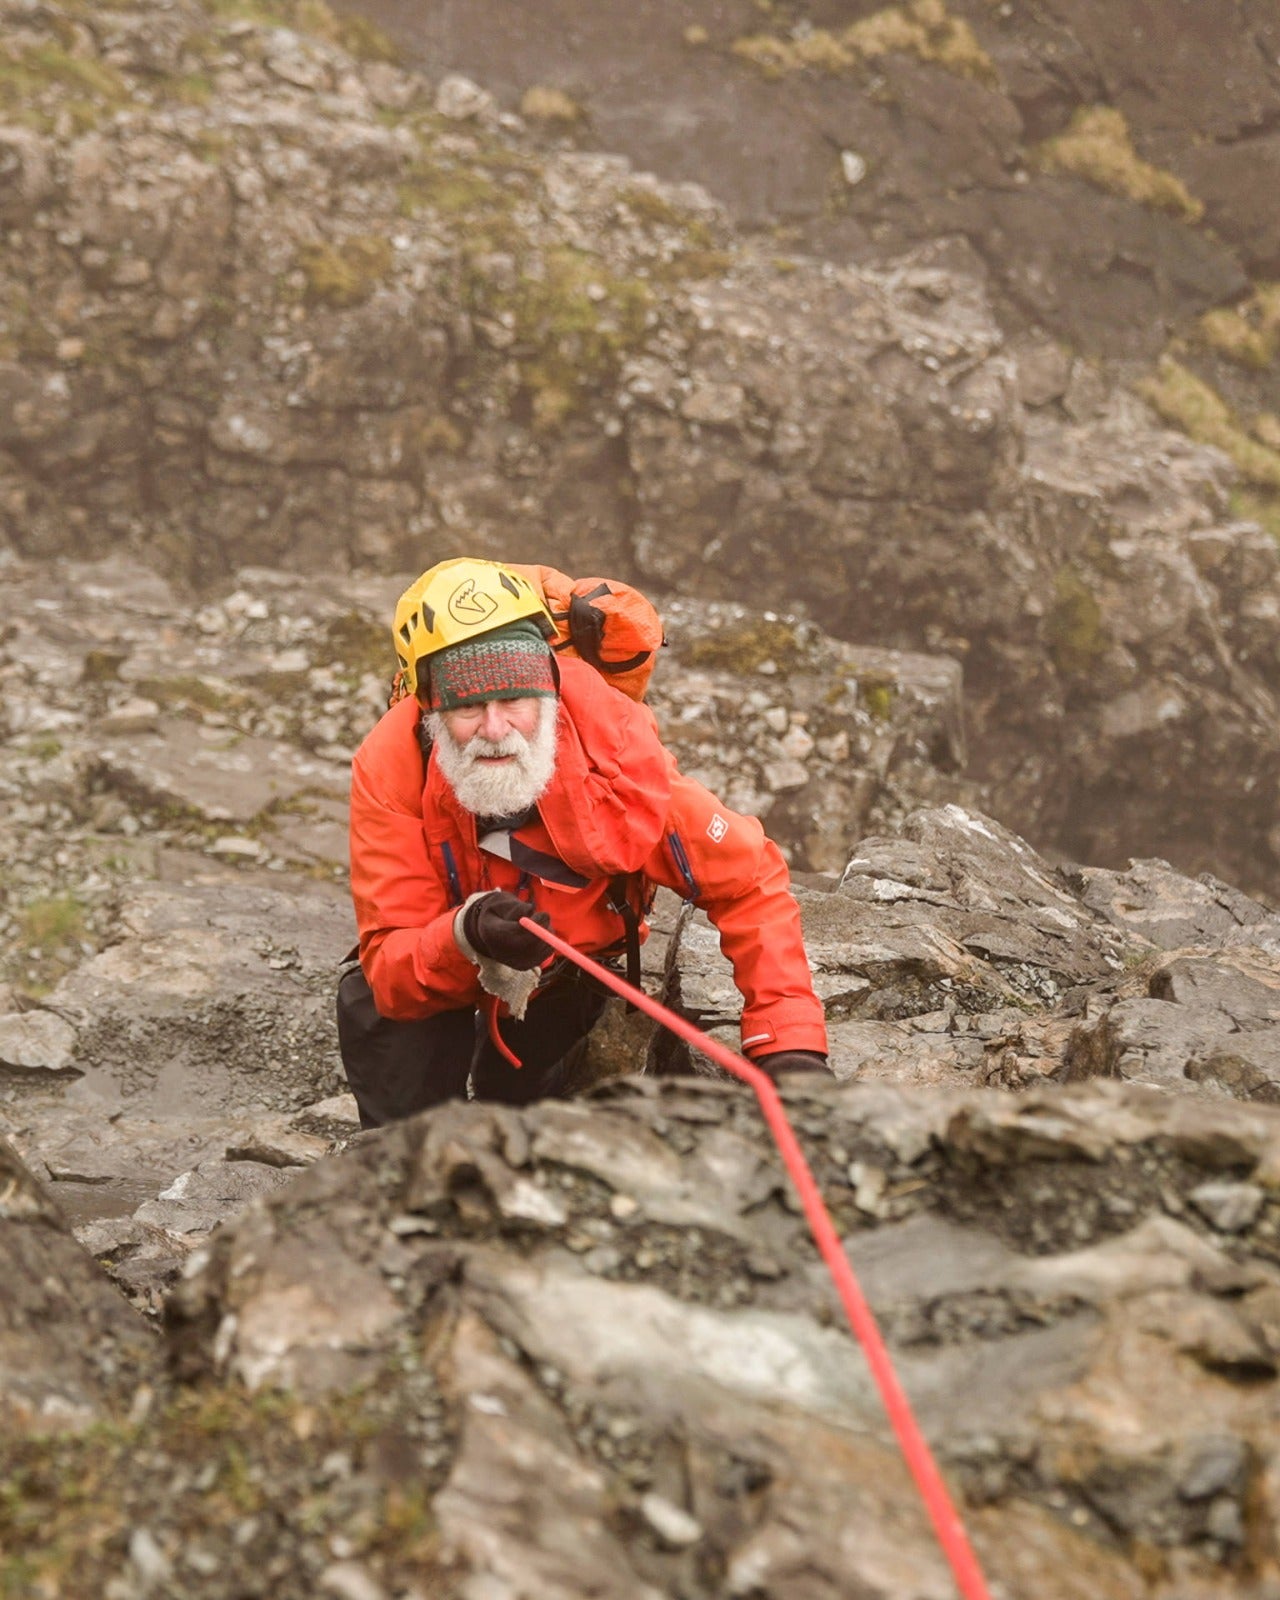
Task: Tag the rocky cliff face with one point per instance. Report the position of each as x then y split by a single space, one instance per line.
269 302
283 321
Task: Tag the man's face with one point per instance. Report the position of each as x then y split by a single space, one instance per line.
498 756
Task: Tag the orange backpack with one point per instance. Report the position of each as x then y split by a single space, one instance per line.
609 625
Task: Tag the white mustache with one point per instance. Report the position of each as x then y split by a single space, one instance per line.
511 744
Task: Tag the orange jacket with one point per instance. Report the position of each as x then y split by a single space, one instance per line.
616 804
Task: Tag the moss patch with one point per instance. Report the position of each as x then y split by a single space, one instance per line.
878 694
358 645
44 747
745 647
453 191
49 943
440 435
88 88
1248 334
227 1474
189 693
573 323
699 254
1098 148
358 37
1076 637
565 317
51 922
922 28
550 106
346 273
193 89
1188 403
1262 508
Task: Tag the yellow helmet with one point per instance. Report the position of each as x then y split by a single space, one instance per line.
459 600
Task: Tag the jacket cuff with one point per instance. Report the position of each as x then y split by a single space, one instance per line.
512 985
783 1027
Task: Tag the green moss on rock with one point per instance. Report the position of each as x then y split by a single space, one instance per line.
572 324
346 273
1074 626
1248 334
358 645
1097 147
1262 508
878 694
453 190
356 35
204 1464
1187 402
745 647
88 89
923 28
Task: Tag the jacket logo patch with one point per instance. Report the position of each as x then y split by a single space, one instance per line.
717 828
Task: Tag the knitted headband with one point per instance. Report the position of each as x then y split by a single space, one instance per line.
507 664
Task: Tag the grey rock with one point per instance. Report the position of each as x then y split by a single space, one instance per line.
153 1566
1171 910
1212 1465
216 773
672 1524
36 1042
196 1201
460 99
321 391
71 1348
1244 1065
197 997
348 1580
1230 1207
1208 1019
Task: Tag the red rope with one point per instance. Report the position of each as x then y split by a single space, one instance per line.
933 1491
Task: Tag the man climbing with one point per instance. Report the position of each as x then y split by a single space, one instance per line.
511 781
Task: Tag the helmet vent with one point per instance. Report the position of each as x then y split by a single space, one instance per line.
406 632
509 584
428 618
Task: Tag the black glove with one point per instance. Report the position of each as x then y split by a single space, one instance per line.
792 1061
491 926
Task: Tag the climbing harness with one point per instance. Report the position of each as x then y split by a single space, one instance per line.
915 1449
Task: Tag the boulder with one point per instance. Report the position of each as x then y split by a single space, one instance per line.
552 1252
71 1348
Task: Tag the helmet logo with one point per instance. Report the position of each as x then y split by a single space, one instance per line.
468 607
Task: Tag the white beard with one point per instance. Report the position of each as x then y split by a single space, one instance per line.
510 788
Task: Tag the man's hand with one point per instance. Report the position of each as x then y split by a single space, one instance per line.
491 926
792 1061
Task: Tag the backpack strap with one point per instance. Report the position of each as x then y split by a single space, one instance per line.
620 902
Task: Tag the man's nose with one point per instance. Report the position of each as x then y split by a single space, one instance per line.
495 723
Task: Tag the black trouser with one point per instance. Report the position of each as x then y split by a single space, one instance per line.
397 1068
